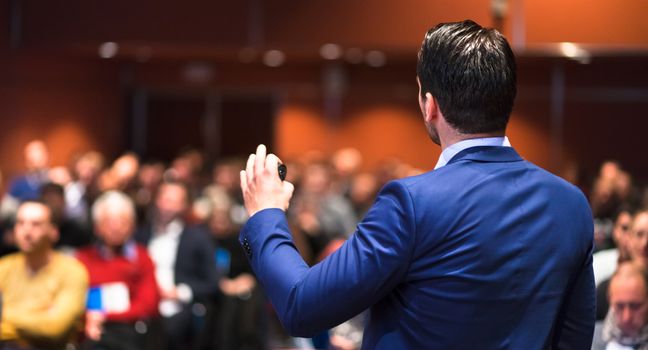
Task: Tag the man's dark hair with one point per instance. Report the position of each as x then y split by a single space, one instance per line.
470 71
51 188
185 188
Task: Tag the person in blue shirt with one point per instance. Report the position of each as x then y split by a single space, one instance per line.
27 186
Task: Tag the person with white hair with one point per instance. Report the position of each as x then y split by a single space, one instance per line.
123 294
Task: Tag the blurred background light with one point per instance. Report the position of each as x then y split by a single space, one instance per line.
375 58
274 58
330 51
108 49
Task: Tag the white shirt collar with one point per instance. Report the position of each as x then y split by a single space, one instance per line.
455 148
172 230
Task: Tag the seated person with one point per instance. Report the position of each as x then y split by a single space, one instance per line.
43 291
71 234
605 262
237 319
625 326
123 292
183 256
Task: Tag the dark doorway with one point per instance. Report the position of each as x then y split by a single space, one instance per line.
246 122
220 124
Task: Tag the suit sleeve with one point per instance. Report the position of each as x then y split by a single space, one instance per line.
365 269
575 324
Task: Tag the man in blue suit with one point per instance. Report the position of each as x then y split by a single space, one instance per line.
487 251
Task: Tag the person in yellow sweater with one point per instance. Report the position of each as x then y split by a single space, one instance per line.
43 291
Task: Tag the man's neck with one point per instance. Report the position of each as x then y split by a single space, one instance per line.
451 138
37 260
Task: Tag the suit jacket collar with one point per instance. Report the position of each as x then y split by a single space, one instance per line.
498 154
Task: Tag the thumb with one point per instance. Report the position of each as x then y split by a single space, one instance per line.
288 189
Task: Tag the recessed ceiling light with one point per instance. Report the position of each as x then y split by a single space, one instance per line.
274 58
330 51
108 49
375 58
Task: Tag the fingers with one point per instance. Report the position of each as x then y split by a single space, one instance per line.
288 189
243 177
249 168
272 163
259 163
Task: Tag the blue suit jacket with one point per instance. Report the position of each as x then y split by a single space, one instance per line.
487 252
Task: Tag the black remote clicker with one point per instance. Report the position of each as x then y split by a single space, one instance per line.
282 171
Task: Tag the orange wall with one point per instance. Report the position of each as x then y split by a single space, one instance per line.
378 132
389 130
71 105
300 129
586 21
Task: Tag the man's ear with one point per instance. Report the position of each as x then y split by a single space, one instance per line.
55 234
430 107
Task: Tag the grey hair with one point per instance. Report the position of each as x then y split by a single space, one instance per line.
114 201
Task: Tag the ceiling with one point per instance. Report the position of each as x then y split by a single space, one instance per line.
244 30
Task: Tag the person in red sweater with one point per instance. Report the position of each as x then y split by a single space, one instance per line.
123 292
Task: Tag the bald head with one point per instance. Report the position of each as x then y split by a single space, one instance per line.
36 155
628 294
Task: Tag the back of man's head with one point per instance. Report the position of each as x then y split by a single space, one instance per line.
53 195
471 72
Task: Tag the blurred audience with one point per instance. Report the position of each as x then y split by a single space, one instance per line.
318 211
121 175
72 234
81 192
186 275
237 320
187 168
149 179
225 188
346 164
43 292
123 295
362 192
637 248
625 326
27 186
605 261
189 284
612 189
